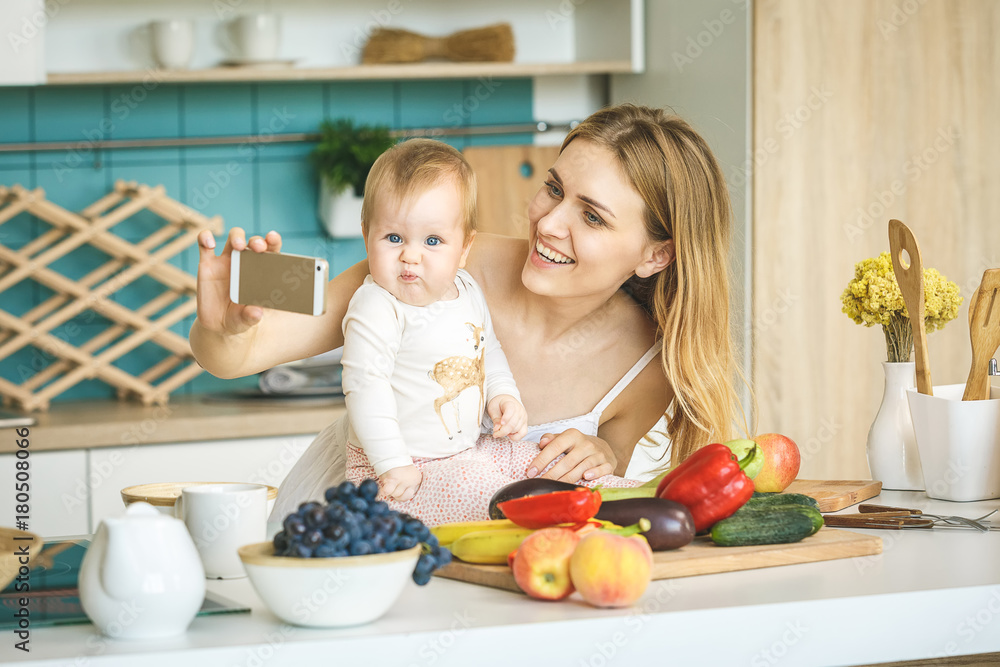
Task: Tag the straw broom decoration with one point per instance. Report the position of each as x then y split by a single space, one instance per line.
493 43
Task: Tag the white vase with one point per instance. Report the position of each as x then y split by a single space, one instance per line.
892 448
340 211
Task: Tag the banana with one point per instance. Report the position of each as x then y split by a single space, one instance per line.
449 532
489 546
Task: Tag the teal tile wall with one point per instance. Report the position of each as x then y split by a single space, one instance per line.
254 185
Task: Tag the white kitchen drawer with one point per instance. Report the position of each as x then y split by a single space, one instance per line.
60 495
258 460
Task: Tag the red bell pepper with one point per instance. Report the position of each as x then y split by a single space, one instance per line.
550 509
710 483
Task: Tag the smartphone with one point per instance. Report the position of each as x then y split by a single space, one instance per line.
295 283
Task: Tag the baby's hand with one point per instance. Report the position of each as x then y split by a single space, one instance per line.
400 483
509 417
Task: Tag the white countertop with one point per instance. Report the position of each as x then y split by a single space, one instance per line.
931 593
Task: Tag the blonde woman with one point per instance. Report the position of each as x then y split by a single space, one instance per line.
626 261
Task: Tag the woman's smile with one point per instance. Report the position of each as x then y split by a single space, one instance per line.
550 255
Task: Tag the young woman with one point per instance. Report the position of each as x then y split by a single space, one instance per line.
626 260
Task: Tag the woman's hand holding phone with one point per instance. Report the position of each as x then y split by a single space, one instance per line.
216 311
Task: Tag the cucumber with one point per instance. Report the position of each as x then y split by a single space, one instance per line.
773 525
817 518
771 499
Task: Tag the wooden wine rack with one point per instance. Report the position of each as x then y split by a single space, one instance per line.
151 322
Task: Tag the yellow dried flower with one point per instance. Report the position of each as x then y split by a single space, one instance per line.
873 297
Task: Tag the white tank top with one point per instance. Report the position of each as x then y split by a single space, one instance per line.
647 456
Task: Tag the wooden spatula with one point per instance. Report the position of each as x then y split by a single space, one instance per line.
911 283
984 330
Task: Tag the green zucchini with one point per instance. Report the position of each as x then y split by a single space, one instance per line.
771 499
773 525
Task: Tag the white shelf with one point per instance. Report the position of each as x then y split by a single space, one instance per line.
108 41
355 73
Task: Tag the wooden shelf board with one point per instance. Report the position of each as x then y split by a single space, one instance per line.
437 70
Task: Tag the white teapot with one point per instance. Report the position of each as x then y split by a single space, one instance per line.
141 577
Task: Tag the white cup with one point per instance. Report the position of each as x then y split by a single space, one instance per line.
257 36
221 518
173 43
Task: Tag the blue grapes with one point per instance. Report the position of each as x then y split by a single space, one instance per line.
354 523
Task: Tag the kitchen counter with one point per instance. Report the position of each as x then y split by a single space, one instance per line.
931 593
108 423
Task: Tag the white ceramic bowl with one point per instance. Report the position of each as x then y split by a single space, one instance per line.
163 495
328 592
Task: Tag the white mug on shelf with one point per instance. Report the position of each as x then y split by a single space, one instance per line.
221 518
173 43
256 37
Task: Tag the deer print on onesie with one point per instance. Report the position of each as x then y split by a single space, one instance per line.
417 378
456 374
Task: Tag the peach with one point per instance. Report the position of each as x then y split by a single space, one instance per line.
541 563
781 463
610 570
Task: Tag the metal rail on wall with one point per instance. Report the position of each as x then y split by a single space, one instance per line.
266 138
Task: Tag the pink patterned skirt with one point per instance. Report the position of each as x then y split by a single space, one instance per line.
459 487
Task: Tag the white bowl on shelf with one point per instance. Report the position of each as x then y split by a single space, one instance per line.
328 592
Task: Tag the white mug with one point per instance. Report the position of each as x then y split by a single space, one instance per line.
173 43
221 518
257 36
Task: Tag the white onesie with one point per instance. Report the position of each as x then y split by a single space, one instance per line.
417 378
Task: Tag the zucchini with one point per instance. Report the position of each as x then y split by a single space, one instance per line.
771 499
773 525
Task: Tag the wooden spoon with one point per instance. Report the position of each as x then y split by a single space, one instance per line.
984 330
911 283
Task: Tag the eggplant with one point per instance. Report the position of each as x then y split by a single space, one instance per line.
672 525
534 486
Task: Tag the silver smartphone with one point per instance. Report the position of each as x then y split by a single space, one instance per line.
296 283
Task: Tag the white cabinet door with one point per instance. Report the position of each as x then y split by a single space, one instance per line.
60 495
257 460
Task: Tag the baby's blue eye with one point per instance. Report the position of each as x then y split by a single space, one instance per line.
394 238
433 240
554 189
593 219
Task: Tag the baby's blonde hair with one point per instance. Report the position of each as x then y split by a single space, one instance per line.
414 166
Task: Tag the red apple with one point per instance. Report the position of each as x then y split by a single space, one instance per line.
541 564
610 570
781 463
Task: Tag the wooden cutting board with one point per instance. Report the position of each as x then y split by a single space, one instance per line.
704 557
836 494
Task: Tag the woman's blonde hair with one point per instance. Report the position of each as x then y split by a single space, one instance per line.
678 178
413 166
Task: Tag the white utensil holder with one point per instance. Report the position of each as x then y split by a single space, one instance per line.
959 443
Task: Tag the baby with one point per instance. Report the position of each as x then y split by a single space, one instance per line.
420 359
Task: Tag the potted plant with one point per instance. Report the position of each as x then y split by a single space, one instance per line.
343 157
